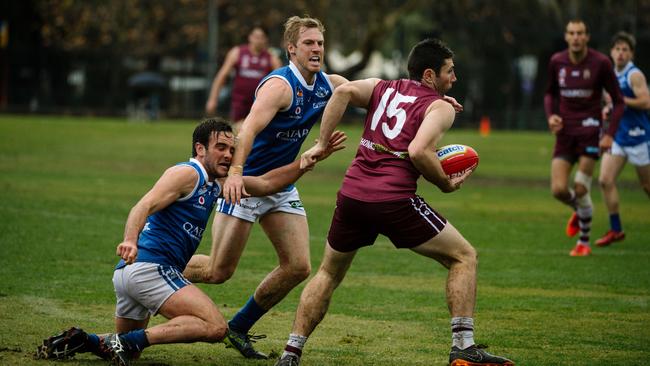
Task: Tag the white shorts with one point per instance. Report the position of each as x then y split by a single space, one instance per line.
637 155
253 208
142 288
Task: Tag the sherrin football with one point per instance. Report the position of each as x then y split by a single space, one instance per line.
456 159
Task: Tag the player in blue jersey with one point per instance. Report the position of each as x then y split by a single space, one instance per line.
162 232
632 139
288 103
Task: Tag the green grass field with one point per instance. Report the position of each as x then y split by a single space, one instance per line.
67 184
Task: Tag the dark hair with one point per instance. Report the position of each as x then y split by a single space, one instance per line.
578 21
430 53
624 37
206 128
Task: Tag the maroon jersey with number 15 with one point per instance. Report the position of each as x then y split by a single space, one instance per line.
381 170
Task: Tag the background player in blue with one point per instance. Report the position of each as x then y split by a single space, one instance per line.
161 233
632 139
288 103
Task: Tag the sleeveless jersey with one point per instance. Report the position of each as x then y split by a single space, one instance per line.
634 128
249 70
580 88
172 235
381 170
279 142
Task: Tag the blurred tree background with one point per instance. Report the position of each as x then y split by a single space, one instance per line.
76 57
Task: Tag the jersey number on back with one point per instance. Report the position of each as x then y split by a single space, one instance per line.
390 112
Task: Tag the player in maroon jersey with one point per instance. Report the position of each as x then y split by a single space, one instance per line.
576 79
405 121
251 62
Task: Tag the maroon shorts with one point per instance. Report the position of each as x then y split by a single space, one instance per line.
570 145
239 109
408 223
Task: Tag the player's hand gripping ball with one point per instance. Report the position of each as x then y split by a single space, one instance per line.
456 159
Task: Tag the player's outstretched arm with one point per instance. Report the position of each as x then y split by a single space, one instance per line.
277 179
439 118
220 80
175 183
273 96
357 93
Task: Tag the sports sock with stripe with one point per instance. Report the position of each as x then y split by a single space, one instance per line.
462 332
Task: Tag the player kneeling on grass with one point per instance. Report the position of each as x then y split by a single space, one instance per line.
162 232
406 119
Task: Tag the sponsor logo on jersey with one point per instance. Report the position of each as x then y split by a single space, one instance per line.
636 132
292 135
561 77
590 122
321 92
195 232
576 93
319 105
202 200
251 74
382 149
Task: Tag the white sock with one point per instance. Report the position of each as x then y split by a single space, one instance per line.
294 345
462 332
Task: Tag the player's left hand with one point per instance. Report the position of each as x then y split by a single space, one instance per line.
333 145
310 157
456 182
605 143
451 100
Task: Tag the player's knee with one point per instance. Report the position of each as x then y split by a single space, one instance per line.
299 271
559 192
220 275
215 332
605 182
470 256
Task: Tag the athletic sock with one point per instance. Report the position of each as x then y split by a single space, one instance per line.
294 345
615 222
92 344
246 317
135 340
584 219
462 332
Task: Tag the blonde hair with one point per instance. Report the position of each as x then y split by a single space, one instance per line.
292 29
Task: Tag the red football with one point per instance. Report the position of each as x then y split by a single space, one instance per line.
456 159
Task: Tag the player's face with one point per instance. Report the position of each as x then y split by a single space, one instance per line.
621 54
576 37
309 51
257 39
447 77
217 157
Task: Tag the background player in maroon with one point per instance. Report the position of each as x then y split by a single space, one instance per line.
576 79
405 121
251 62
